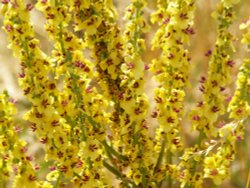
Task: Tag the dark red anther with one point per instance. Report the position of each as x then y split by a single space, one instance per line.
200 104
4 143
228 99
208 53
170 56
179 42
5 1
166 21
33 127
176 141
32 45
21 75
136 85
202 88
52 86
44 140
29 6
214 83
221 124
176 110
183 16
189 30
68 39
38 115
214 172
37 167
215 109
239 111
32 177
222 88
24 150
29 158
26 91
18 129
230 63
154 114
64 169
120 95
85 178
77 3
158 100
89 90
196 118
60 154
61 140
45 103
50 16
64 103
8 27
138 111
52 168
170 120
55 123
202 80
93 147
130 65
79 164
119 46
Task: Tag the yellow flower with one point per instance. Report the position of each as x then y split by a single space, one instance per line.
229 3
137 176
246 38
25 180
214 169
53 175
44 184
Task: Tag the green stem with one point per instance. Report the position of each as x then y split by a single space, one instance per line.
2 184
170 161
215 186
29 57
248 179
144 179
58 180
111 150
160 157
91 121
193 169
118 174
112 169
61 39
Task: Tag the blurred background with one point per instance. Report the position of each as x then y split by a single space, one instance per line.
201 43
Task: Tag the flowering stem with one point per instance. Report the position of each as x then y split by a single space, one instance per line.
144 180
118 174
248 179
170 161
58 181
160 157
61 38
91 121
111 150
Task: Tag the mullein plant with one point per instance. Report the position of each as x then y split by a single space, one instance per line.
88 104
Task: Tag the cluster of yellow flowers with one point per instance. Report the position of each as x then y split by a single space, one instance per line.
171 72
216 148
89 108
15 161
